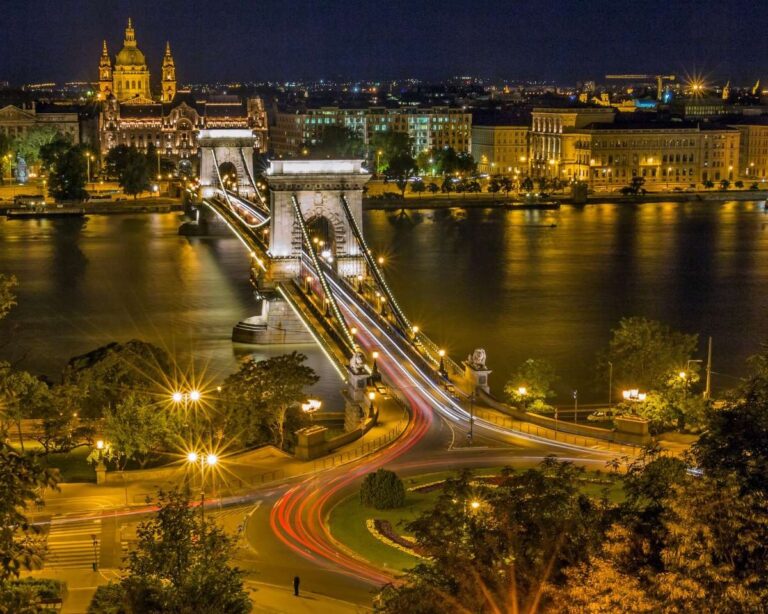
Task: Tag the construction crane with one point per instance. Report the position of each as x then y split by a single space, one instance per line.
659 81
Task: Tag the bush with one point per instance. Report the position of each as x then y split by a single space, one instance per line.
382 490
108 599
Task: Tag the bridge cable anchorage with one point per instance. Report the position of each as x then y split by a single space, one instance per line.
262 200
321 276
377 274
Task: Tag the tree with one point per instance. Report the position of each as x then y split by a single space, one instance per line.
401 168
716 548
531 385
6 147
490 550
433 188
22 480
257 400
391 145
51 151
506 186
179 565
494 186
644 353
725 184
108 373
30 144
382 490
68 178
739 184
527 185
8 284
136 429
22 394
116 161
336 142
708 184
735 437
418 187
135 175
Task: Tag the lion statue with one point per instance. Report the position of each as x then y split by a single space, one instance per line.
477 359
357 362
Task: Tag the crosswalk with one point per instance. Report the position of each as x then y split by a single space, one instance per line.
73 544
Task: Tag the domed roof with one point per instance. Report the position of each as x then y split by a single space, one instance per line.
130 56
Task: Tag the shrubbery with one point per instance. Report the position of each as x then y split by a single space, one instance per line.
382 490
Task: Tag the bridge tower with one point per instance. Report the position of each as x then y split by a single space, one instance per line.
226 152
318 186
321 196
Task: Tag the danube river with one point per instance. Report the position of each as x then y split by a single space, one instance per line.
520 284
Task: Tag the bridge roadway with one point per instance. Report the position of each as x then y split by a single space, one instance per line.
299 541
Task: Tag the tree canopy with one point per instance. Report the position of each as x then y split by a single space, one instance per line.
69 175
180 564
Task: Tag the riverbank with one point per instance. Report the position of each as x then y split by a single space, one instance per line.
140 205
484 200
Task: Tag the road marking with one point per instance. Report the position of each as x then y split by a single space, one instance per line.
70 544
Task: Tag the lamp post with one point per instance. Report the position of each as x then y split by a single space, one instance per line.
371 398
375 375
95 540
441 368
185 399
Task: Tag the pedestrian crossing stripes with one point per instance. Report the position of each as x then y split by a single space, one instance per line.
73 544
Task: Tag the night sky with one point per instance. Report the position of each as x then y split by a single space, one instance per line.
564 40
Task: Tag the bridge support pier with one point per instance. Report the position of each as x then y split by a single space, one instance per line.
275 324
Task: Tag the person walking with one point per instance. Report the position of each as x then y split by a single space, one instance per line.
296 581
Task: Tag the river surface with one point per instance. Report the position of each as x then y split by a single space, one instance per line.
519 284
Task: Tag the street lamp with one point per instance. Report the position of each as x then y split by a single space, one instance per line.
310 407
375 376
475 504
371 397
441 368
633 395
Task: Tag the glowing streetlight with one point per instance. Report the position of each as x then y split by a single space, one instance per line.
371 398
380 260
475 504
375 376
194 395
633 395
100 444
211 460
311 406
441 368
192 457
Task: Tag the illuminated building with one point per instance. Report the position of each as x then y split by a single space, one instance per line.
16 121
501 149
753 147
547 129
171 122
667 155
433 127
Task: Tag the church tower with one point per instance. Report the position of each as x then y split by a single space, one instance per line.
169 76
131 75
105 73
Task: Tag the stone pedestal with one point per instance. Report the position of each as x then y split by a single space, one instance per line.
477 377
358 381
101 473
311 442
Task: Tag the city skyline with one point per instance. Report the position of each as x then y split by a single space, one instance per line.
561 41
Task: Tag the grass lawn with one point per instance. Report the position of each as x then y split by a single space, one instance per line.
72 465
347 520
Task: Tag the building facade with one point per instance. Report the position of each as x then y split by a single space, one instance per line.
128 78
434 127
666 155
16 122
172 127
501 149
547 128
753 148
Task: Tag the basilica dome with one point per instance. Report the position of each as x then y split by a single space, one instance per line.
130 56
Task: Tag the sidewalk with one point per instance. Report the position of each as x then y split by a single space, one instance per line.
272 599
